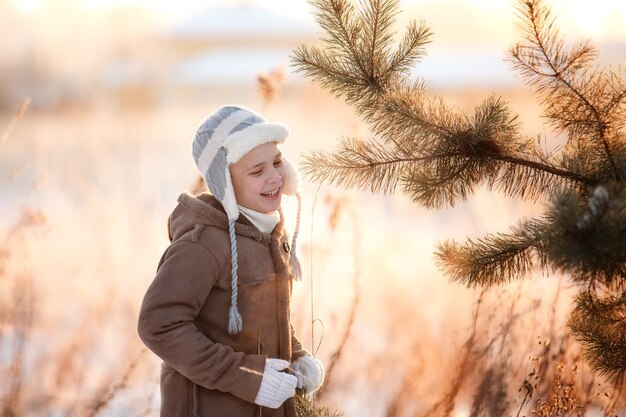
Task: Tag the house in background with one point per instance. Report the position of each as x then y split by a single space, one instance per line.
223 49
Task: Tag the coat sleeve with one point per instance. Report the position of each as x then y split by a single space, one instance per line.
297 350
170 305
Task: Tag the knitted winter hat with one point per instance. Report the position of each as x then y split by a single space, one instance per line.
222 140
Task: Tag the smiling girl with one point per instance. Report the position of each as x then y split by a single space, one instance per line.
217 312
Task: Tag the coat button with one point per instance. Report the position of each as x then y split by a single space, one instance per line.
286 246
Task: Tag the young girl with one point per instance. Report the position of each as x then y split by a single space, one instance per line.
217 312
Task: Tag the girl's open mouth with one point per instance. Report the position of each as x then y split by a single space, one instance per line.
271 194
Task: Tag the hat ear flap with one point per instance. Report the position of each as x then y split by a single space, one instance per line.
291 185
229 202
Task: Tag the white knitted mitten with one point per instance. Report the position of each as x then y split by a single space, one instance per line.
310 373
276 386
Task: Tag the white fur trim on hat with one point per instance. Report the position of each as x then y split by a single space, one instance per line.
243 141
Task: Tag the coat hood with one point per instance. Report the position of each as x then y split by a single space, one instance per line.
206 210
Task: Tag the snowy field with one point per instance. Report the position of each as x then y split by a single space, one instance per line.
105 182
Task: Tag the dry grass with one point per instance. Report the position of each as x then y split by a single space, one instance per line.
270 85
398 340
49 368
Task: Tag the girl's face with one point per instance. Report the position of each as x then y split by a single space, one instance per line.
258 178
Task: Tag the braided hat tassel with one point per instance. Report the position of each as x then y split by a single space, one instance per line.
235 322
294 262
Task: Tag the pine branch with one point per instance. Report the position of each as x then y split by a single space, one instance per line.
440 154
487 149
337 18
615 97
421 129
409 118
442 157
353 43
526 163
600 325
378 18
328 70
410 50
571 88
586 237
444 180
434 179
355 163
455 177
494 259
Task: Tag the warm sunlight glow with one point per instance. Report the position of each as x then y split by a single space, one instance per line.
99 109
27 5
602 19
599 19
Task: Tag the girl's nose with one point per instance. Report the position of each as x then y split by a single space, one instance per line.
274 177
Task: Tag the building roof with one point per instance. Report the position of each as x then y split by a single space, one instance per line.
242 21
230 66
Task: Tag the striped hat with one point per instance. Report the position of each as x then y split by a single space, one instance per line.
222 140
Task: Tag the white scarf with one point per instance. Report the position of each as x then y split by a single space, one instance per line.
265 222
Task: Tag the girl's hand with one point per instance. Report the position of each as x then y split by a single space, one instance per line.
276 386
309 372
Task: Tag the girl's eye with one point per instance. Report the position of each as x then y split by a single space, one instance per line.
256 173
277 163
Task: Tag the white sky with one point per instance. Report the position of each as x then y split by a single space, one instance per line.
600 19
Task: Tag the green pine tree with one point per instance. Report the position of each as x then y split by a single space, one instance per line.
439 155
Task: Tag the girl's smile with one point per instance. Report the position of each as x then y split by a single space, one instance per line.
272 195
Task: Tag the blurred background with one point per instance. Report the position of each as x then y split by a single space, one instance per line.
99 102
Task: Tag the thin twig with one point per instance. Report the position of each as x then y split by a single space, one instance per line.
16 116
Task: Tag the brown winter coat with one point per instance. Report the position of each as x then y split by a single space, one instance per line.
184 316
